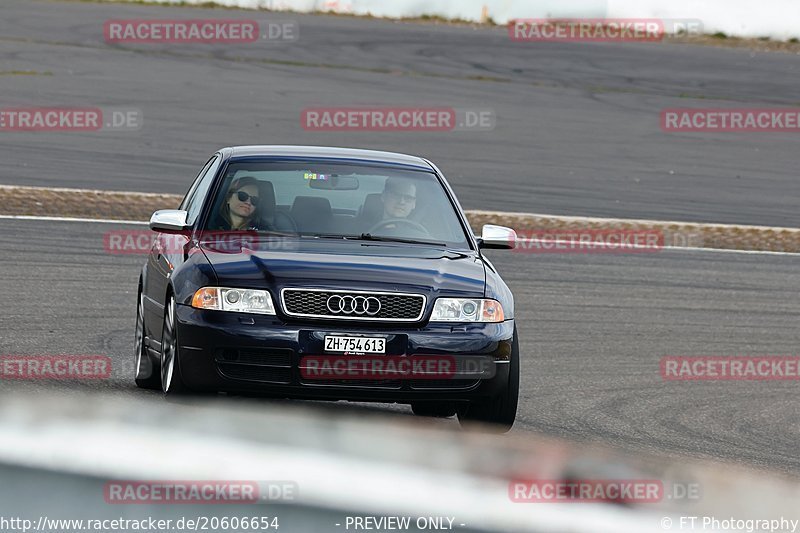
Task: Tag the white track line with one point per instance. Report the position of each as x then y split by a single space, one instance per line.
89 191
641 221
677 248
638 246
72 219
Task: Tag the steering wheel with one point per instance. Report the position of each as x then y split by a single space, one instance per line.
401 222
286 223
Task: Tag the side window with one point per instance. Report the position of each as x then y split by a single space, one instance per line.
189 194
195 199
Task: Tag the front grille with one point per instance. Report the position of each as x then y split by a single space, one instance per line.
312 303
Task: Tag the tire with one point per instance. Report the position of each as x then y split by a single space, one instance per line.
145 371
501 410
171 382
434 409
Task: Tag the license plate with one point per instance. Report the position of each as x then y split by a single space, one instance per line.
355 344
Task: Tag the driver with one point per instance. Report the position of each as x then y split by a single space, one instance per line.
399 198
240 210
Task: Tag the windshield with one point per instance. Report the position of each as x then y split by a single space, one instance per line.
333 200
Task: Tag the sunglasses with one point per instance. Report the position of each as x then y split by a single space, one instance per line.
243 197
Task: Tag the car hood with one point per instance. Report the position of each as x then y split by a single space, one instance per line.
354 265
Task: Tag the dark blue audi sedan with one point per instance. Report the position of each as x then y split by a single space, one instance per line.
332 274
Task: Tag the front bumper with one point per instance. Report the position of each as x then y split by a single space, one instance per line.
256 354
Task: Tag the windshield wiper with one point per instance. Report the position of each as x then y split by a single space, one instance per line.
325 235
370 237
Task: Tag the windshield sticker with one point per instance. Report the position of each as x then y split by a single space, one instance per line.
315 176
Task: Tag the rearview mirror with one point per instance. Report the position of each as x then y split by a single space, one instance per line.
332 182
497 237
169 221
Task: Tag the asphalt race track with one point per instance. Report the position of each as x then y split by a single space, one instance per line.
577 125
577 133
593 329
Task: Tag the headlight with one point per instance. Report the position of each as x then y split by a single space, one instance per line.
238 300
467 310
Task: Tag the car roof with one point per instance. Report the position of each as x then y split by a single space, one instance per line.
327 152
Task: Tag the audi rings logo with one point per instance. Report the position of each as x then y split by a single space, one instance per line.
354 305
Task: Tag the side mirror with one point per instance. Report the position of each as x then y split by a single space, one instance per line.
497 237
169 221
